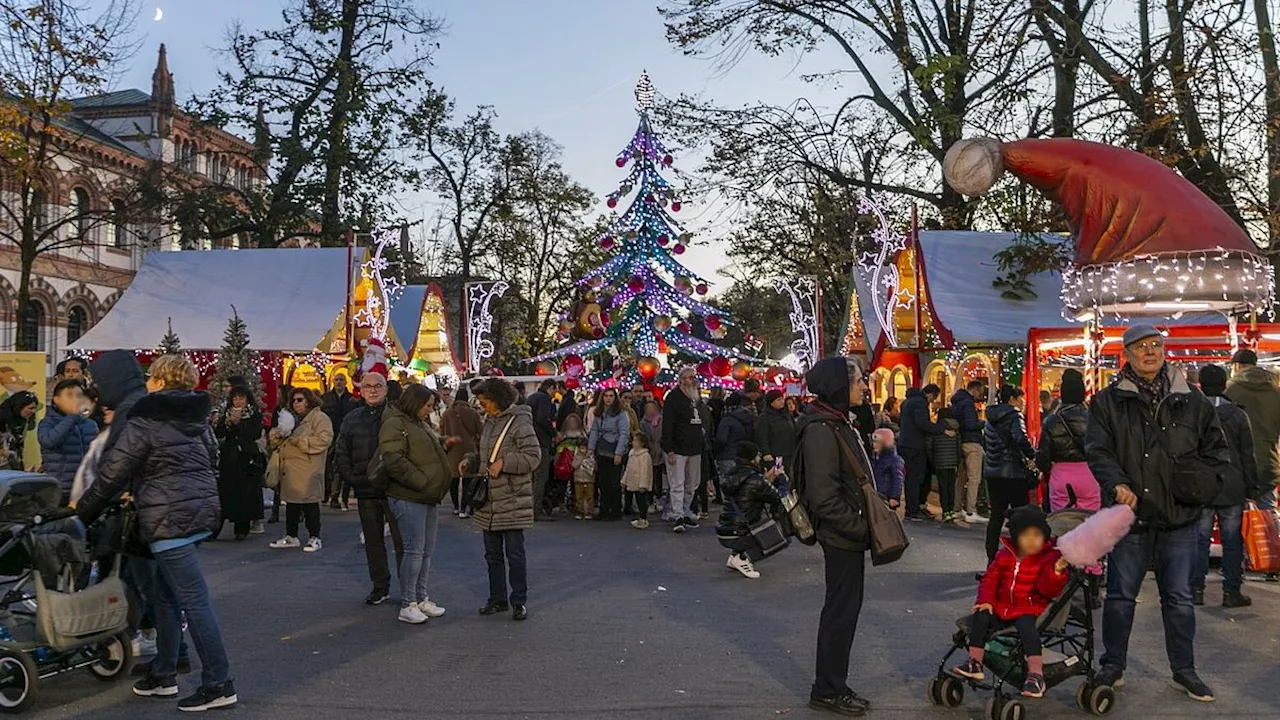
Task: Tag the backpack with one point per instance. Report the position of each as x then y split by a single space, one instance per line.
564 465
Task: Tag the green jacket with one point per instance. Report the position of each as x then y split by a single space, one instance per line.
1255 391
414 458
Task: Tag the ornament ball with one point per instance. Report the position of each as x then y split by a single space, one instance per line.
621 162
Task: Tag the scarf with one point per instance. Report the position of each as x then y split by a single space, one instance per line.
1151 391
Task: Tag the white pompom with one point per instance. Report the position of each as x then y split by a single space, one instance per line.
972 166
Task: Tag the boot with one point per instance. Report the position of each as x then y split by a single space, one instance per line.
1236 599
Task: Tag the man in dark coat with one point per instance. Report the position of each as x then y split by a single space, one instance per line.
831 493
357 442
544 414
336 403
1254 389
964 408
1239 482
776 431
1136 424
737 425
916 427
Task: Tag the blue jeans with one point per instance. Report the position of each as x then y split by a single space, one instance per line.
417 523
511 544
181 587
1229 522
1175 553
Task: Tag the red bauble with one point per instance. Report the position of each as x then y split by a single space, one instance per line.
648 367
663 240
702 288
571 361
675 206
597 332
667 159
712 322
720 366
606 242
572 383
612 202
678 249
635 285
545 368
704 369
621 162
649 197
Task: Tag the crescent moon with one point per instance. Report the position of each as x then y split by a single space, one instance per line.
159 15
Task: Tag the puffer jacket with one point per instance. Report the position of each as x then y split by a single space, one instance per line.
1254 390
415 460
1062 436
610 434
1241 482
965 409
64 441
356 443
1122 448
776 435
167 458
748 498
737 425
1016 586
685 424
944 450
1000 461
510 505
890 473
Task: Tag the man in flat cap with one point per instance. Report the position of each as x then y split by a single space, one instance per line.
1155 444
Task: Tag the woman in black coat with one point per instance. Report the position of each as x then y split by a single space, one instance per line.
241 463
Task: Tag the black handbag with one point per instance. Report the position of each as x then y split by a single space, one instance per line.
480 488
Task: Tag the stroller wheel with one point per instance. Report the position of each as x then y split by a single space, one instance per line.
992 709
935 697
1082 696
18 678
1102 699
1013 710
114 656
951 692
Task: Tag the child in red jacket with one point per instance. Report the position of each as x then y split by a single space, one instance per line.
1025 576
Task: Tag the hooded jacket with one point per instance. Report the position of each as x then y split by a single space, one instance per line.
1002 462
167 458
915 423
121 383
748 498
828 484
1122 446
16 426
1254 390
965 409
64 442
890 473
1062 436
1241 481
736 426
776 435
685 424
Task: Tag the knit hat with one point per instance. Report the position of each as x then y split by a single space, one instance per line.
1072 387
747 451
1025 517
771 396
1213 380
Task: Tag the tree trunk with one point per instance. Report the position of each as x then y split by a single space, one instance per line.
1271 75
27 263
336 158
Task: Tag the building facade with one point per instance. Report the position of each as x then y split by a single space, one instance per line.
118 137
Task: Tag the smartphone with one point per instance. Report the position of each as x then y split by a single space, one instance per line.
777 463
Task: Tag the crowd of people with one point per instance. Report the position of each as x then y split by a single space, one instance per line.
1151 440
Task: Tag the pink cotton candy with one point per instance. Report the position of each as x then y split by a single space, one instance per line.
1097 536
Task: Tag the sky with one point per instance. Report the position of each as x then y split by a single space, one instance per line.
566 67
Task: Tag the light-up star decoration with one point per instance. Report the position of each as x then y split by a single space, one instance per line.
480 321
376 314
805 299
879 268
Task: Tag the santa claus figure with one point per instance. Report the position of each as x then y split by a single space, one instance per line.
373 359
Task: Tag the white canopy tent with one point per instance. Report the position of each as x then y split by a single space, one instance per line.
289 299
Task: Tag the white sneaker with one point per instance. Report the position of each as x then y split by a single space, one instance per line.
412 615
430 609
287 541
313 544
972 518
742 565
361 538
255 528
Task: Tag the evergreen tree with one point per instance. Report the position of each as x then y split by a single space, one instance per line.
169 344
235 359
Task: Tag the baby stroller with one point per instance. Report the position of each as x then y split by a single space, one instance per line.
1066 633
46 628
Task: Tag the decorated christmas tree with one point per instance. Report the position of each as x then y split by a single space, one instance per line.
642 306
169 344
235 359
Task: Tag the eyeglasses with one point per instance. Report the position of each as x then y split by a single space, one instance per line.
373 387
299 399
1149 345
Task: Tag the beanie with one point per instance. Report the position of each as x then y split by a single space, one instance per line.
1213 380
1026 517
772 396
747 451
1072 387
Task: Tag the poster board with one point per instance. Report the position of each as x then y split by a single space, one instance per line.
26 371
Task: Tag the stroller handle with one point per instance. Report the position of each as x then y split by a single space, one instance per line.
59 514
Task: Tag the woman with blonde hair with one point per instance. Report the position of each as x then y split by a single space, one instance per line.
302 458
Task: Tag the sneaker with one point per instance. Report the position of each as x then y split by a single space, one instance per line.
430 609
210 697
413 615
287 541
690 523
463 515
679 527
1110 675
494 607
1236 600
256 528
346 507
972 669
843 704
313 544
156 687
143 645
519 612
377 597
183 667
1197 597
1195 688
577 517
639 524
1034 686
361 538
742 565
973 518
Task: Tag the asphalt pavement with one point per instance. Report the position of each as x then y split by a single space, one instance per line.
635 624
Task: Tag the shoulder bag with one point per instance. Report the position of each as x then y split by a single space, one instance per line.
1031 477
888 537
480 488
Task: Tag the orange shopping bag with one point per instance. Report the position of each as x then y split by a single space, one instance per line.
1261 540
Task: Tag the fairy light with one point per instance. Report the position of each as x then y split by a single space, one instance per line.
480 321
803 293
879 268
376 314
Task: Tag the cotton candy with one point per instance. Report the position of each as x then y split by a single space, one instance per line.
1097 536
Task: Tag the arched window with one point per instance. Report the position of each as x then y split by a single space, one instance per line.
33 334
40 209
119 226
77 322
80 213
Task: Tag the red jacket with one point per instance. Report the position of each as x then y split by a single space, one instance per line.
1017 587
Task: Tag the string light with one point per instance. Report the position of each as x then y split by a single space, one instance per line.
376 313
480 321
879 268
803 292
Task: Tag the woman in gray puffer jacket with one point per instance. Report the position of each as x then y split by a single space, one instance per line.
509 452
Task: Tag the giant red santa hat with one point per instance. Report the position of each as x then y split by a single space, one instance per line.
1147 240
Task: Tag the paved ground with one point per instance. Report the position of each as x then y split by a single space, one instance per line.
643 623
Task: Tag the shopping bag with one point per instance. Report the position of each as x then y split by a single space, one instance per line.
274 470
1261 540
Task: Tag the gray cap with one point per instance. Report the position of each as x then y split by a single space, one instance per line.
1139 332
